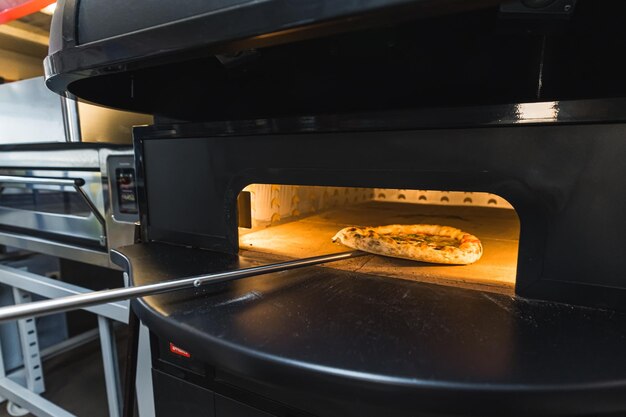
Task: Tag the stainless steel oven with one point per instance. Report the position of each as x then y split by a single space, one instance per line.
74 201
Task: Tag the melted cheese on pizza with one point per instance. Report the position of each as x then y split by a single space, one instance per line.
427 243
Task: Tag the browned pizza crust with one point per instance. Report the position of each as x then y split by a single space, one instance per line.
418 242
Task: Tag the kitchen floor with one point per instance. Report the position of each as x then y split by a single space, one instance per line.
75 379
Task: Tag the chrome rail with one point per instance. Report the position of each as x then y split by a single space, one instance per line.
73 302
71 182
16 179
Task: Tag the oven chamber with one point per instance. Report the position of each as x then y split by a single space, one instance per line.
294 221
562 180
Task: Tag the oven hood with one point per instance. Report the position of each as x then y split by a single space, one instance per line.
105 54
236 60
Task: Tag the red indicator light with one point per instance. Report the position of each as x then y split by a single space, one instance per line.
178 351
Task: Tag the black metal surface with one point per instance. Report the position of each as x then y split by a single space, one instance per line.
513 114
130 372
122 15
165 33
226 407
176 398
335 343
563 181
205 67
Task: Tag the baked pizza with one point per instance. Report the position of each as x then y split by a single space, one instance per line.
418 242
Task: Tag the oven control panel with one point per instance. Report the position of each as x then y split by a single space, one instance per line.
122 180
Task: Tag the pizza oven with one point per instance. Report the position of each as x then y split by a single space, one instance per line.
286 194
350 330
279 123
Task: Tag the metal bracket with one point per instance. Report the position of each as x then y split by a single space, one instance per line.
27 331
93 209
111 369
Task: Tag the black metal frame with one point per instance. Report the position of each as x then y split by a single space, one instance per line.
545 168
369 346
73 59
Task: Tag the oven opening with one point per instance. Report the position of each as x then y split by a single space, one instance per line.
290 221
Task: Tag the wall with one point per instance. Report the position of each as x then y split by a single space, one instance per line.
274 203
29 112
15 66
100 124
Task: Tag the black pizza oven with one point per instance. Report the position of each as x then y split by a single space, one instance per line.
280 122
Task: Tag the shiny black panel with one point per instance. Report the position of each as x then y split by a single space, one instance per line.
563 180
121 15
286 58
174 397
335 343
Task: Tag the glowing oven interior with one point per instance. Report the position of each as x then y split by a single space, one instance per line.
290 221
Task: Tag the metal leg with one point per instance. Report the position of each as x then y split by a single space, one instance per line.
27 331
145 396
34 403
130 373
111 369
2 371
25 283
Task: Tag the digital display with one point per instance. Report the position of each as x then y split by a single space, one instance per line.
126 194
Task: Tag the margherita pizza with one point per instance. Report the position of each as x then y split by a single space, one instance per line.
418 242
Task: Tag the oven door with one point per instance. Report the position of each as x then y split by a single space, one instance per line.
58 205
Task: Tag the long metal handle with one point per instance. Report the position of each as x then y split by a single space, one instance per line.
73 302
71 182
92 207
16 179
71 118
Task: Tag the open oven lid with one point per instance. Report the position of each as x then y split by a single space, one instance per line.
234 59
97 48
118 32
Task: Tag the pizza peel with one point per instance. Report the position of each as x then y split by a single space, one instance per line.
73 302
